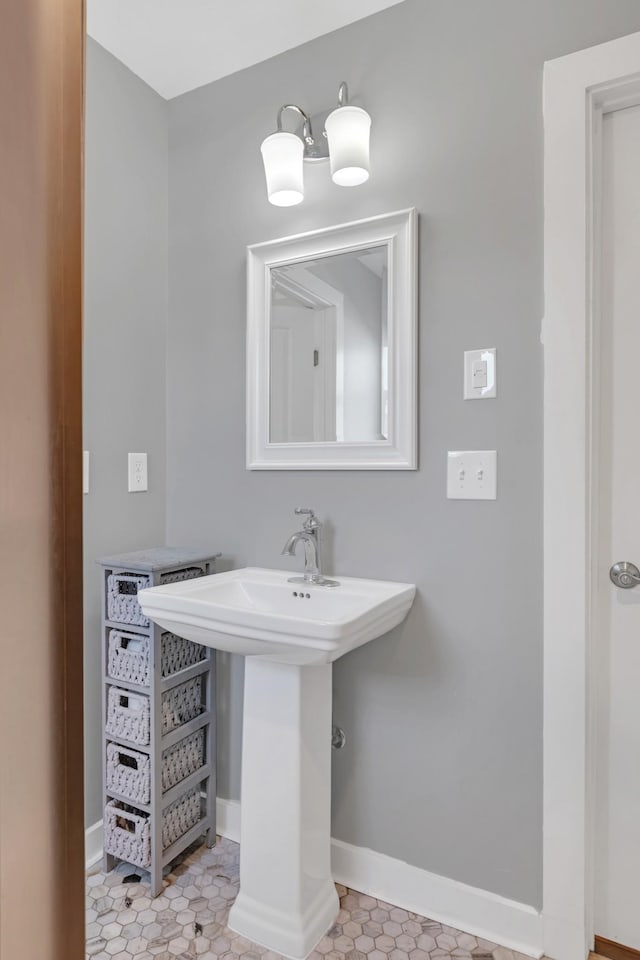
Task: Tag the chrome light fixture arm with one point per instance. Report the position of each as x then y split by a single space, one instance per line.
314 148
307 135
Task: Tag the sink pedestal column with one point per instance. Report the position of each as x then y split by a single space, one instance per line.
287 899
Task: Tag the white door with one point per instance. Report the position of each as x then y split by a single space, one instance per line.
617 659
303 373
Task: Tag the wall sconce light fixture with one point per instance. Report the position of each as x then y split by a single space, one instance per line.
344 141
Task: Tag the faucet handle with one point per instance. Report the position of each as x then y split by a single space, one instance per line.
312 522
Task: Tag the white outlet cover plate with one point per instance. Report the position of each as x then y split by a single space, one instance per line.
472 474
138 480
488 356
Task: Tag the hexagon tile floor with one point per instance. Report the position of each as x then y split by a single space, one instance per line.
189 920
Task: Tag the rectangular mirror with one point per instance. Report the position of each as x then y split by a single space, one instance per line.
329 371
331 338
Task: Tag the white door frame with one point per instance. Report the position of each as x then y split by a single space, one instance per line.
578 90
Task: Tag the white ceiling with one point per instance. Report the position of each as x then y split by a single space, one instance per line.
178 45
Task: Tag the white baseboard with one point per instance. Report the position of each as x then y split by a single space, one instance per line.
93 839
479 912
228 819
488 915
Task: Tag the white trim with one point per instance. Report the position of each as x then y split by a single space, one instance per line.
398 232
577 90
228 819
475 911
510 924
93 842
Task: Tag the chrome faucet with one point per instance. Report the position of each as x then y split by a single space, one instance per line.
310 537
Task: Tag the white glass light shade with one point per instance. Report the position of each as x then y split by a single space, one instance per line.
282 156
348 131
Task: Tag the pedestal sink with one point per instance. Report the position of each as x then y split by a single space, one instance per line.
290 635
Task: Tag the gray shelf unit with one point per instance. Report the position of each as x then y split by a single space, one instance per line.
155 564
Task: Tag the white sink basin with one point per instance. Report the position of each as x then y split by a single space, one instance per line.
257 613
290 634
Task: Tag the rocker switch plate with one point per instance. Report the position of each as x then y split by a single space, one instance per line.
480 374
138 481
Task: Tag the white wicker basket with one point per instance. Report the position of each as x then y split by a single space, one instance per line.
178 654
181 704
127 831
122 598
129 656
129 773
122 593
128 716
188 573
182 760
183 814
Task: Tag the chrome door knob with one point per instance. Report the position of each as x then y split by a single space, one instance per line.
625 575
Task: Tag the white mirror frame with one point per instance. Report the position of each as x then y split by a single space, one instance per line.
398 232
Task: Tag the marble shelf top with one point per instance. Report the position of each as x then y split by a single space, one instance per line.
157 558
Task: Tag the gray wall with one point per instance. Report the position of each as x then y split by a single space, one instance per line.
125 341
443 717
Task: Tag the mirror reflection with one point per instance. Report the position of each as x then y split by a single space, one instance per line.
329 350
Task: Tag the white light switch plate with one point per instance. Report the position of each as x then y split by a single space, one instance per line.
480 374
472 474
138 473
85 471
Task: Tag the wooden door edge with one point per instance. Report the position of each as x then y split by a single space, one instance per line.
615 951
67 282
